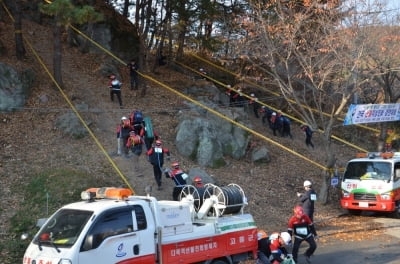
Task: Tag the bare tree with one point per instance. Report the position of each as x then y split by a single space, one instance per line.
311 57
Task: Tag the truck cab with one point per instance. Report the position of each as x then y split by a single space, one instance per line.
371 182
140 229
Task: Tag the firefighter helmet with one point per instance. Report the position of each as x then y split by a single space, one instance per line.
158 142
286 238
197 179
261 234
112 76
298 211
175 165
307 183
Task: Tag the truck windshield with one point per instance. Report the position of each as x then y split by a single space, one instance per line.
368 170
63 228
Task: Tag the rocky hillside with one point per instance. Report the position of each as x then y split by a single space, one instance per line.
31 143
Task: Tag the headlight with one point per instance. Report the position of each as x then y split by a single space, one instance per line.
345 194
65 261
387 196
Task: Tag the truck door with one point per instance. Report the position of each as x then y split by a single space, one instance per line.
120 236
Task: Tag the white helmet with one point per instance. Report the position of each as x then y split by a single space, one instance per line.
286 238
307 183
124 118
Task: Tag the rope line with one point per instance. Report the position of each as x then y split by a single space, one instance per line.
171 90
72 106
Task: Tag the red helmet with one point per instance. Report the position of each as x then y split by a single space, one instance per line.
298 211
112 77
158 142
175 165
197 179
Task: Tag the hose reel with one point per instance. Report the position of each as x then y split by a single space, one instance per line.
222 200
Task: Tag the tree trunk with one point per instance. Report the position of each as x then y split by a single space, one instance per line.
19 43
330 164
125 10
57 55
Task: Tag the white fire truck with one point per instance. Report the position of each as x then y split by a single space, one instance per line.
207 226
371 182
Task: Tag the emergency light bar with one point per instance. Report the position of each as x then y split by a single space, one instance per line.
106 192
372 155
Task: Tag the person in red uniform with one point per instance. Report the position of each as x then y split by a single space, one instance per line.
301 226
123 130
272 249
278 243
179 177
135 143
197 182
156 158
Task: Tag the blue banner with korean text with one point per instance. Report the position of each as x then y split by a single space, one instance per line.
372 113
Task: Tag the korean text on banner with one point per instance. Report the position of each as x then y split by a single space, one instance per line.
372 113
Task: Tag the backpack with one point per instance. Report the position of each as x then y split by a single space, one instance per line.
136 117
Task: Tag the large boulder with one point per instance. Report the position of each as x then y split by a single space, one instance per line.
206 137
71 125
14 87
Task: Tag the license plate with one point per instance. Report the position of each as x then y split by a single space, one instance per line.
363 204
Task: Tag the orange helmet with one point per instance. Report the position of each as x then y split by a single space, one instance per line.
175 165
112 77
158 142
261 234
298 211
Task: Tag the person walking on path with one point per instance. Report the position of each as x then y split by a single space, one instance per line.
255 105
178 176
302 228
133 68
307 199
286 127
123 130
135 144
115 88
308 132
156 158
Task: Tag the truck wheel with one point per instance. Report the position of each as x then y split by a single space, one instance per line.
396 212
219 261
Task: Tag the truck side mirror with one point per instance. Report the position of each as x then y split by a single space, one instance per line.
88 244
397 174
